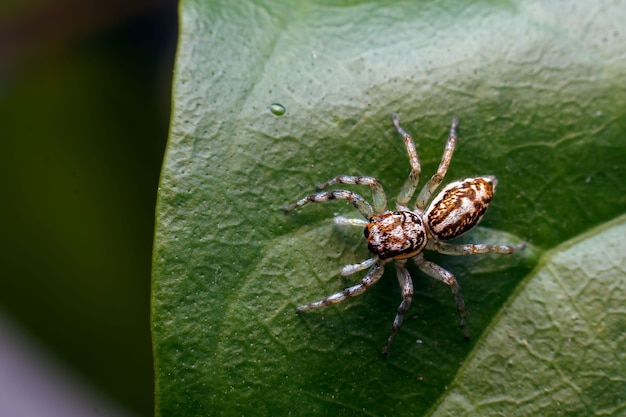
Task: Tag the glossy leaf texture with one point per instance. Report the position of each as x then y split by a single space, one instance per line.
560 346
271 98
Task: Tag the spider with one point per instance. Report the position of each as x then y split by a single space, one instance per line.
405 233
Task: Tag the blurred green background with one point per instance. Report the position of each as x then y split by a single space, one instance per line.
84 112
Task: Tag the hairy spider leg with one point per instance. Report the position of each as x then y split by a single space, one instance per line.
347 221
471 248
406 284
440 274
354 268
409 186
379 198
356 200
373 275
435 180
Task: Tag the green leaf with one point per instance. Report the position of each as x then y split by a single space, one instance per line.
538 90
560 346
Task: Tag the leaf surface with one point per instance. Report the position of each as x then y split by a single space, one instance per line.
538 90
560 346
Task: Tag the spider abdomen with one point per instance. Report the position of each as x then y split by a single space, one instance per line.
459 206
398 234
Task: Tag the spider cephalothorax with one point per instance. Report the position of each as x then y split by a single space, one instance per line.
405 233
398 234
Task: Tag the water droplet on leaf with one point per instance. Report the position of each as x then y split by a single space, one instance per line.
278 109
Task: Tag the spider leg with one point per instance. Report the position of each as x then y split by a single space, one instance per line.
346 221
353 268
356 200
435 271
435 180
378 193
406 284
373 275
409 186
471 249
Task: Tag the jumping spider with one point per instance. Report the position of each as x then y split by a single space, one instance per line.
404 234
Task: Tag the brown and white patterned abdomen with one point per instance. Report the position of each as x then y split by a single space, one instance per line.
459 206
